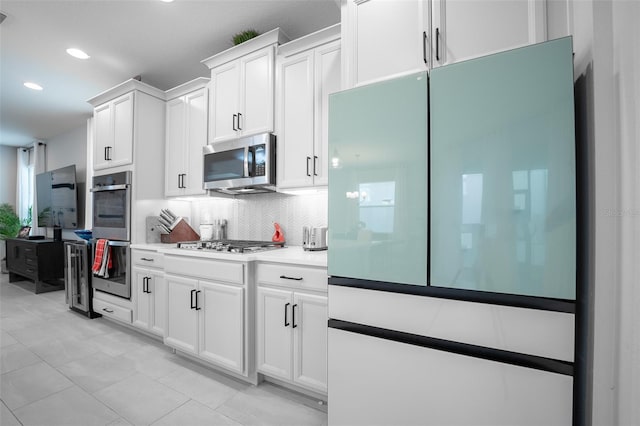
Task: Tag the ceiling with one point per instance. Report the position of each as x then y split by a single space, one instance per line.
161 42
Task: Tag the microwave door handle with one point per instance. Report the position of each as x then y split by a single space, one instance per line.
246 162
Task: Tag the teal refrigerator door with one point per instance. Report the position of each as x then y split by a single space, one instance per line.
503 189
378 181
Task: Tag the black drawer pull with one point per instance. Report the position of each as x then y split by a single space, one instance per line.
110 311
284 277
197 307
146 259
193 306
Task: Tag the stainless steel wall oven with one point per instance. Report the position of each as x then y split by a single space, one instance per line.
112 222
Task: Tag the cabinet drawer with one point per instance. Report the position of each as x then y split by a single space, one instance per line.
292 276
112 311
148 259
212 270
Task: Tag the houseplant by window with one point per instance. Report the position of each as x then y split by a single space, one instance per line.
9 227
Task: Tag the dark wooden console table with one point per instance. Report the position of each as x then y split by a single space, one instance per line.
40 261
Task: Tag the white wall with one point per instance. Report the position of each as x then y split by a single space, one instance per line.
607 46
8 172
65 150
626 124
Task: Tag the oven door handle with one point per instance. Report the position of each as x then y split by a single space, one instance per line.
110 188
119 243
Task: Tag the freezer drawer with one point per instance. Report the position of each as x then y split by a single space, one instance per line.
418 385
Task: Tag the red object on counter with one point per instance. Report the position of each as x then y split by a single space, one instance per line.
278 236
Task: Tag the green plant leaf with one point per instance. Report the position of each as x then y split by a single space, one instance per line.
244 36
9 222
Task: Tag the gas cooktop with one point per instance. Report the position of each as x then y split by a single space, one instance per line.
231 246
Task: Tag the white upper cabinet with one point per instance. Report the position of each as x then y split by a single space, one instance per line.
388 38
308 71
242 86
114 133
383 39
466 29
185 136
129 124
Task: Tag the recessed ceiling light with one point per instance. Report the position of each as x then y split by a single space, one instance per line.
77 53
166 1
32 85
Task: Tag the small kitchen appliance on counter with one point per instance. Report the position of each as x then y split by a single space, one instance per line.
314 238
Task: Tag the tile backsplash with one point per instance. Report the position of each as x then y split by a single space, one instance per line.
251 217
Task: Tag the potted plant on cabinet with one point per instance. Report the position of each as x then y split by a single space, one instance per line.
9 227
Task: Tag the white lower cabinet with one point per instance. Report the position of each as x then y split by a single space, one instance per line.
150 290
182 318
206 318
292 336
221 324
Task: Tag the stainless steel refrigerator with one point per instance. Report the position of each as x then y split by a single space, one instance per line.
452 245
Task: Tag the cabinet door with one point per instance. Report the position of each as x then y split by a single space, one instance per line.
143 304
274 332
385 38
295 136
103 135
256 91
309 322
465 29
122 152
196 138
158 296
327 81
225 81
222 324
182 319
175 149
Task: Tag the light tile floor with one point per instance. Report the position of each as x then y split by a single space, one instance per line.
60 368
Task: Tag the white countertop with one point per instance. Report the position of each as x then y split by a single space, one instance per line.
289 254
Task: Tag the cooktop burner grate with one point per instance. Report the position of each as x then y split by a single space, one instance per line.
231 246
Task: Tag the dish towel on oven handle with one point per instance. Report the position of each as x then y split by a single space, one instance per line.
102 261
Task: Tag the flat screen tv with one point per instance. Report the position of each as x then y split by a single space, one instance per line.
57 198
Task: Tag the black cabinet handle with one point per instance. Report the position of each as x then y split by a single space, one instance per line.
145 285
284 277
424 46
438 44
197 307
235 117
286 321
293 316
108 310
315 160
192 304
179 181
308 159
146 259
239 118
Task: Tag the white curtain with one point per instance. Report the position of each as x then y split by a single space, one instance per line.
31 161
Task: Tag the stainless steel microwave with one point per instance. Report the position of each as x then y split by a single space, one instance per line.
241 166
